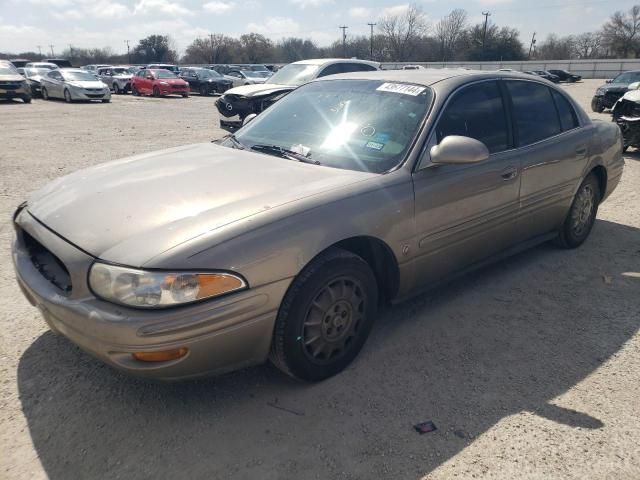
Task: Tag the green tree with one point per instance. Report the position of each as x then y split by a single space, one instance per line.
155 48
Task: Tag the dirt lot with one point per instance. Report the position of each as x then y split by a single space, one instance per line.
529 368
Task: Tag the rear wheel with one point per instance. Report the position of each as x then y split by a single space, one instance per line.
67 96
134 91
44 93
156 92
204 91
582 214
106 100
26 99
116 89
325 317
185 95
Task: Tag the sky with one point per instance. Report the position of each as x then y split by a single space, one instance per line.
25 24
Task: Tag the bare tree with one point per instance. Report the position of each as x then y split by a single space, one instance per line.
556 48
449 31
587 45
622 32
402 31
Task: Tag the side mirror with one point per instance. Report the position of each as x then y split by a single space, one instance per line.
609 80
248 118
456 149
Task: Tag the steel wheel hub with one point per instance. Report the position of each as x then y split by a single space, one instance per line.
333 319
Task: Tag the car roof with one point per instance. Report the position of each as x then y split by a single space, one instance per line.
425 77
73 70
323 61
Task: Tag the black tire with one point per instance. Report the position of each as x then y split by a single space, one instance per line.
67 96
185 95
116 89
134 91
597 106
156 92
330 306
579 222
204 91
106 100
44 93
26 99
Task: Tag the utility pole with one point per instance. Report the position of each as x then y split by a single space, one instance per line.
484 33
128 52
371 46
344 40
70 52
211 38
40 50
52 54
533 43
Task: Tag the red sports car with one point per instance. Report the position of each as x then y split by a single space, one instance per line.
158 82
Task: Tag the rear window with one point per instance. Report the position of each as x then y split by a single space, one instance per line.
535 115
568 117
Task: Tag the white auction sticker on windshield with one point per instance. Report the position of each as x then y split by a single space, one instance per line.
405 89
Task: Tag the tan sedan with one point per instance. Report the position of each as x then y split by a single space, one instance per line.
281 241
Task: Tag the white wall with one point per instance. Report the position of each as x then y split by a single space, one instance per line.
586 68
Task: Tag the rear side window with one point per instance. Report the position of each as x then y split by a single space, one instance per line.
477 112
534 111
568 117
357 67
332 70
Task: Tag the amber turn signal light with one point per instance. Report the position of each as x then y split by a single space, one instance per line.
161 356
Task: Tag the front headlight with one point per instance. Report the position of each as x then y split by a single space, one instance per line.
151 289
600 92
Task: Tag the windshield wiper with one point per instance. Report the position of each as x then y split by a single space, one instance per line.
284 153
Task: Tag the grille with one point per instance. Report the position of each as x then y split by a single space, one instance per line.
94 95
49 266
10 85
93 89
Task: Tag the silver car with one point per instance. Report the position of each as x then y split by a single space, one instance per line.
73 84
117 78
281 241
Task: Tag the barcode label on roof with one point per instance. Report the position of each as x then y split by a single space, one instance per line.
413 90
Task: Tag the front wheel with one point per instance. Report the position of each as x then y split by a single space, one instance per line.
185 95
156 92
134 91
582 214
116 89
26 99
325 317
44 93
204 91
596 106
67 96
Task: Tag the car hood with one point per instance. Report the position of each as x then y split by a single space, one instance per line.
614 87
131 210
259 89
86 84
11 78
171 81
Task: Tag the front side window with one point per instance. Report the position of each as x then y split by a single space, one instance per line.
477 112
364 125
534 113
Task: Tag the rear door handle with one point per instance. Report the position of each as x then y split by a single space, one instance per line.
509 173
581 151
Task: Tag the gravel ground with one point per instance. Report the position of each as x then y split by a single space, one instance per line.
529 368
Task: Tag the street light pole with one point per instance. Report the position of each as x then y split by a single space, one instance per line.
484 33
128 52
344 40
371 42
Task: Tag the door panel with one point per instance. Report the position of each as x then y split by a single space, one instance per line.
554 154
466 212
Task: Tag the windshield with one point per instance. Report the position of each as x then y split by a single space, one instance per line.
207 73
80 76
164 74
8 71
120 71
627 77
364 125
294 74
36 72
171 68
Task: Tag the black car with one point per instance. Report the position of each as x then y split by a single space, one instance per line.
205 81
546 75
607 95
565 76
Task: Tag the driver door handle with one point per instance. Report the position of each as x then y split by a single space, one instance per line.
509 173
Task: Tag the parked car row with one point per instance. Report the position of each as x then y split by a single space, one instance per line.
607 95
